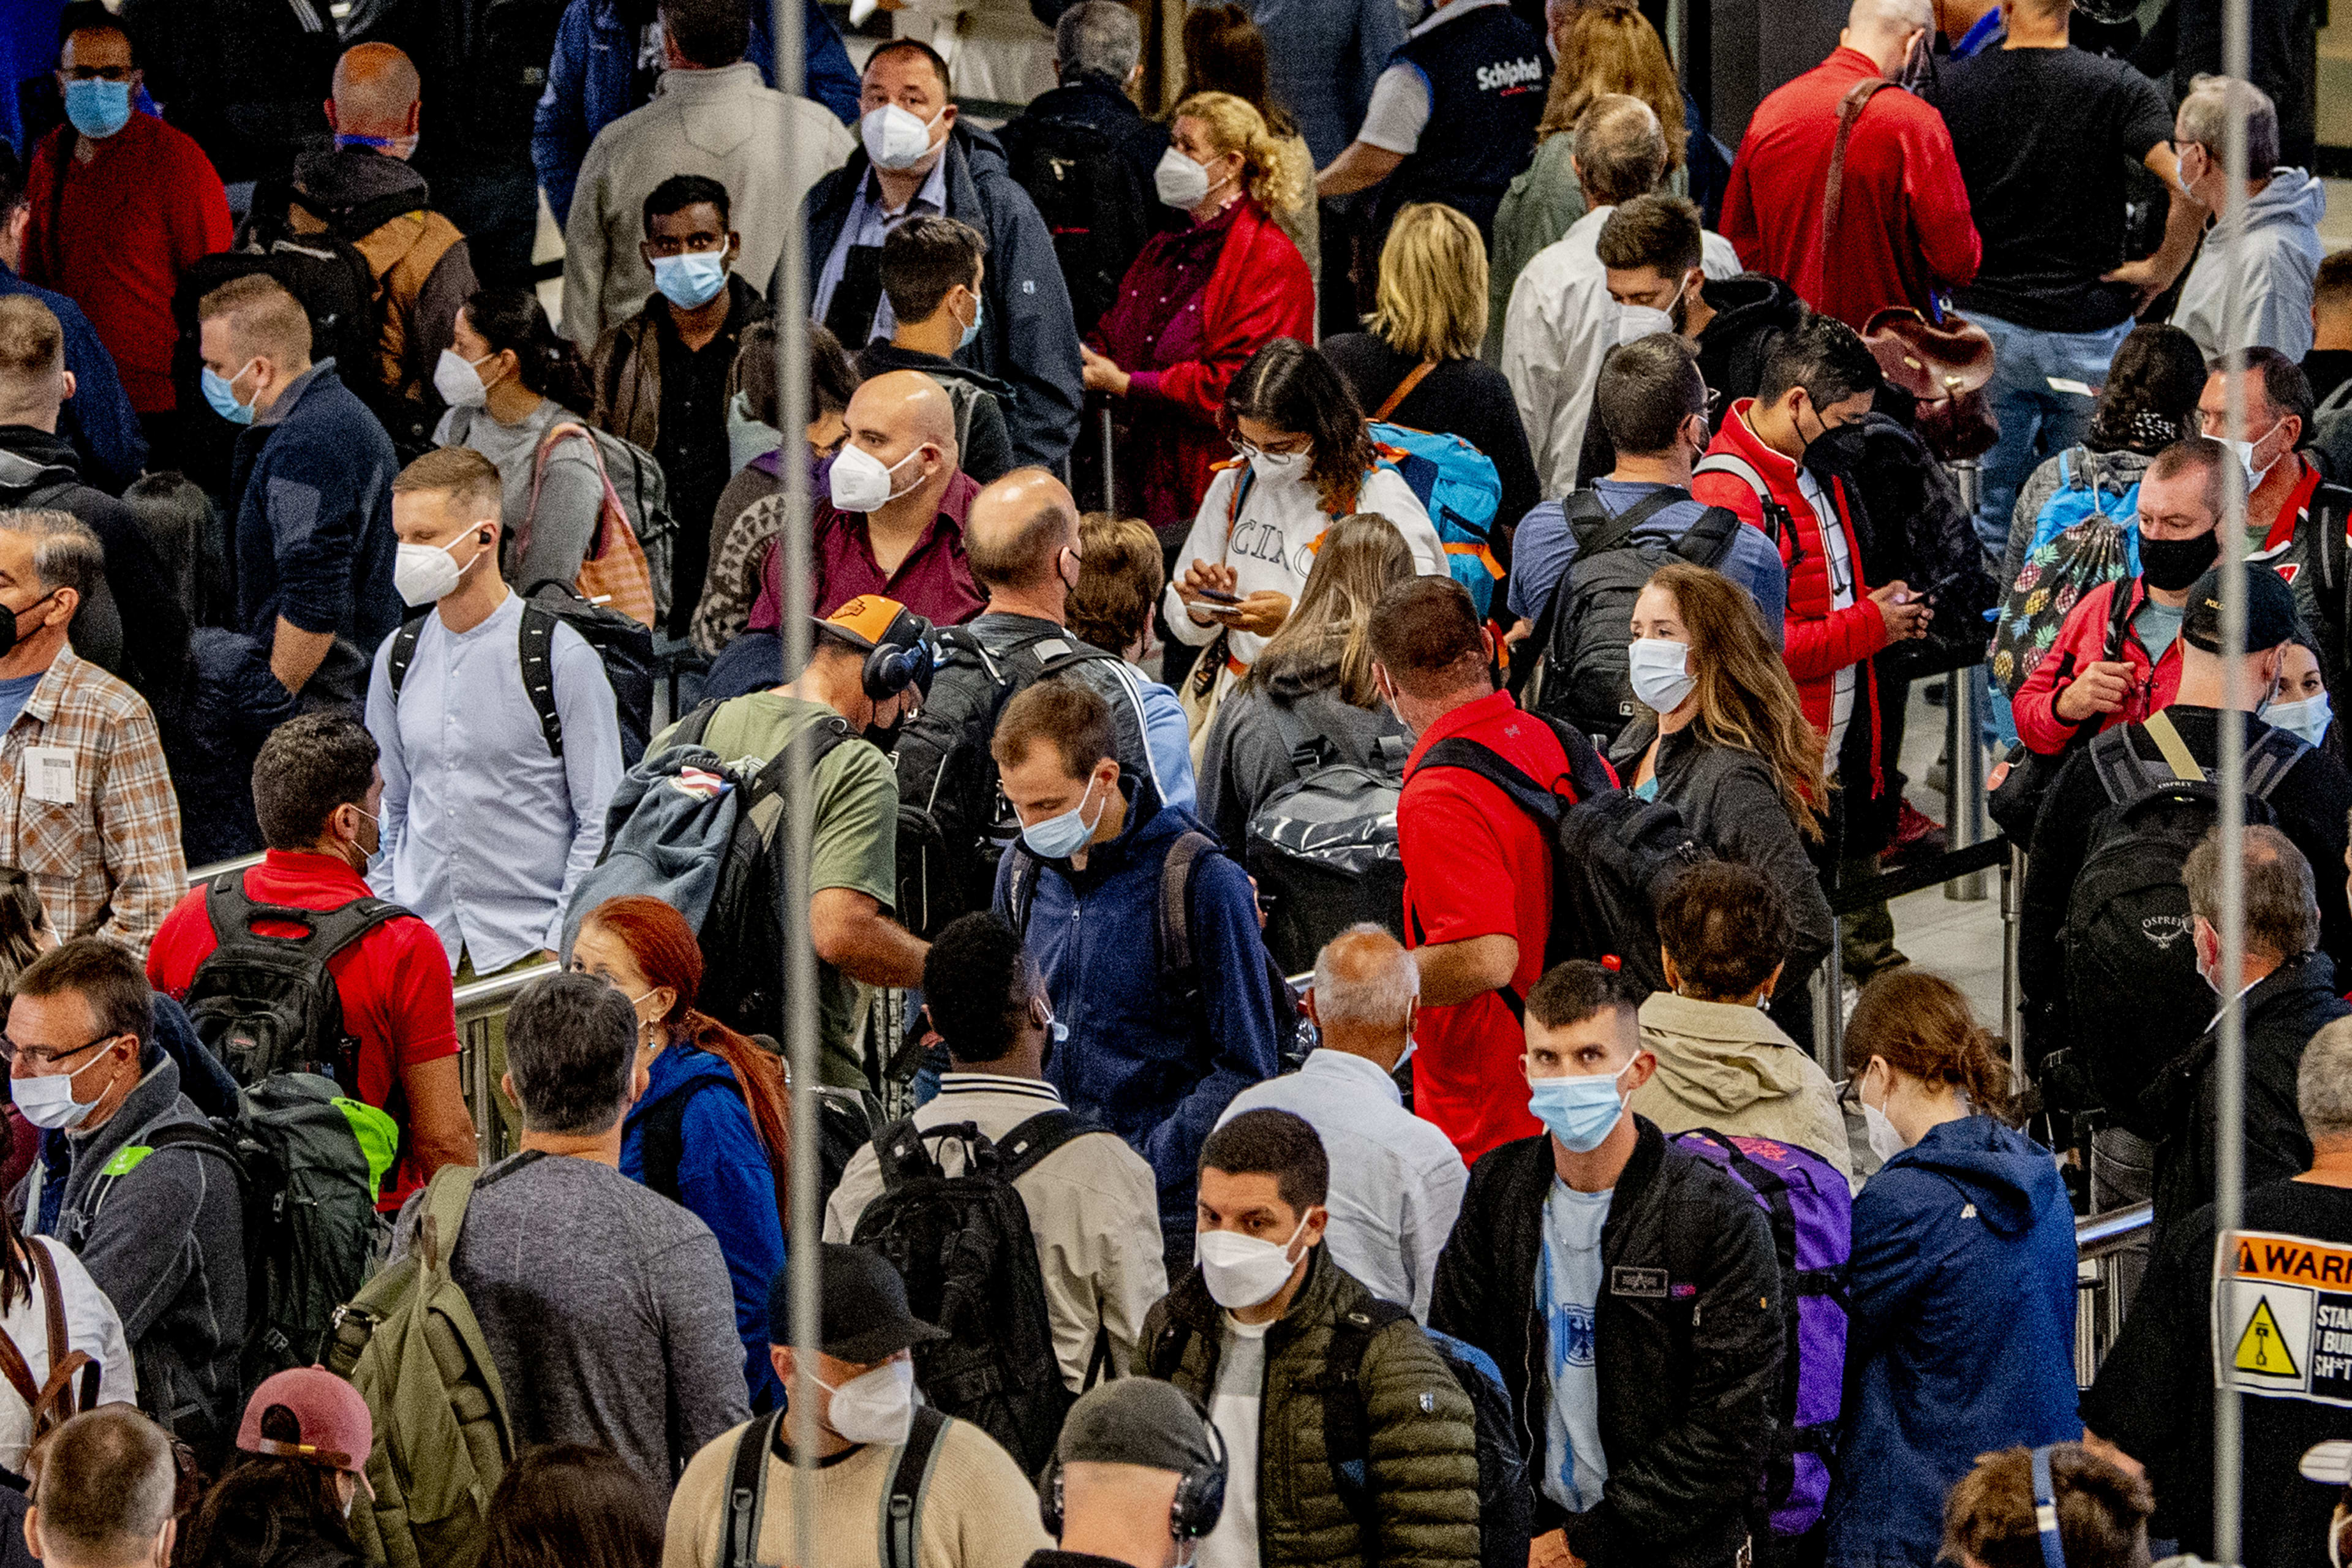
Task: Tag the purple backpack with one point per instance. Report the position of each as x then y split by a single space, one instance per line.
1811 1212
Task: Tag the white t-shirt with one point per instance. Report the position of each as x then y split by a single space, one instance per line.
91 1327
1842 597
1236 1406
1567 1293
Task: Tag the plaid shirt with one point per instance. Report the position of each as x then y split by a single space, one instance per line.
110 861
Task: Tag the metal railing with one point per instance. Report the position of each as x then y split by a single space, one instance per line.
2100 1242
199 874
480 1004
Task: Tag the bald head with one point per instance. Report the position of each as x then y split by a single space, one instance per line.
1887 30
376 89
1367 989
1017 532
904 418
1620 149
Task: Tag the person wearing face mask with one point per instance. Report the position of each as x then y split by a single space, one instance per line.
122 206
1197 302
286 1501
917 156
312 547
107 1495
1260 1331
1091 1200
319 801
712 117
152 1220
972 1506
931 274
1629 1293
1153 1056
2091 680
2273 264
605 1308
724 1155
1903 227
1960 1290
2301 704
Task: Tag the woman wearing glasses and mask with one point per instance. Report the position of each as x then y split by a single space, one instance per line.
1306 460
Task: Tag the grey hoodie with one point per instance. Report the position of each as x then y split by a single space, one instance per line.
2277 257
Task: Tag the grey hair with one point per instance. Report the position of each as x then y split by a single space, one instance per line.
572 1051
1098 35
2282 899
66 554
1382 997
1890 19
2323 1083
2204 119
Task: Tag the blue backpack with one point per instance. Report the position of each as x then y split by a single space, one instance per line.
2094 495
1456 484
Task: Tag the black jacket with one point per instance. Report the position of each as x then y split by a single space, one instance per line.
1688 1333
983 444
1098 102
1028 339
2282 1012
1464 397
1752 313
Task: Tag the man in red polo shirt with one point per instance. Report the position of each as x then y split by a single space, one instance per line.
1478 870
317 793
1904 229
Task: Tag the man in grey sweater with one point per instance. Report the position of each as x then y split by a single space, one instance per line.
606 1307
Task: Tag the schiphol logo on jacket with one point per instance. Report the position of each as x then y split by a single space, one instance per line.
1510 78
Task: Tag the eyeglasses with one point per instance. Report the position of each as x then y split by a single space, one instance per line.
12 1053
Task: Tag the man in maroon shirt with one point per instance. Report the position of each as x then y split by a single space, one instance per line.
122 204
894 525
1904 229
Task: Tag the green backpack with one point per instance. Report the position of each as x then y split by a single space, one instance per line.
410 1344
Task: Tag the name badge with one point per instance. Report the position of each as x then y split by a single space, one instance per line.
1626 1280
49 773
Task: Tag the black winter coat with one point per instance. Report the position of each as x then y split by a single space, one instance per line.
1687 1332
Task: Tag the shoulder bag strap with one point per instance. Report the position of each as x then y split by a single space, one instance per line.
1850 108
902 1514
2176 754
1028 1146
58 1392
536 644
610 507
747 1491
1412 378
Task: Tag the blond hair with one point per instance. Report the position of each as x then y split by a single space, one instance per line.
1433 292
1268 173
262 318
1612 47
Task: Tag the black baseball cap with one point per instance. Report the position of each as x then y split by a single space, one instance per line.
1135 1421
862 1315
2269 611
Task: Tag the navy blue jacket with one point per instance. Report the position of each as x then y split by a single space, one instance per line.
1150 1065
314 540
98 418
1961 1334
231 704
724 1180
1028 339
592 78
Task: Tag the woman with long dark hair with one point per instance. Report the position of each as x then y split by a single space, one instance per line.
508 379
566 1505
725 1155
285 1501
1307 462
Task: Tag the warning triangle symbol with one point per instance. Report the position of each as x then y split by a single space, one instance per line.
2262 1348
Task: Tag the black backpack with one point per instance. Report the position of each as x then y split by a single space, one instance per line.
1582 633
625 646
902 1507
1613 853
1091 201
963 1245
265 1005
2134 999
1323 847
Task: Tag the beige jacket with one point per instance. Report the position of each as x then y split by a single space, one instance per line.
1730 1067
1094 1207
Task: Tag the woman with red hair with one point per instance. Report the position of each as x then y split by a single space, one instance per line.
723 1155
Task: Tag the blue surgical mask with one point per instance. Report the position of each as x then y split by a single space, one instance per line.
1579 1111
694 278
2307 719
1059 837
221 393
98 108
978 309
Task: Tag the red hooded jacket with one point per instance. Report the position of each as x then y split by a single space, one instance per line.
2083 640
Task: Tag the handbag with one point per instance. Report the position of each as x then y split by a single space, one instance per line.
613 573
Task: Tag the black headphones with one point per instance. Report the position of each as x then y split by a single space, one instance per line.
1200 1490
893 667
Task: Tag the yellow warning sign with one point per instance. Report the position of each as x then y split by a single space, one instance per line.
2262 1348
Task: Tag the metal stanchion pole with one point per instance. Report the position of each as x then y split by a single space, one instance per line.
1110 490
1828 1013
2012 994
1964 699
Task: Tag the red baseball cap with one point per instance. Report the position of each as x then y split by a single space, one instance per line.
336 1432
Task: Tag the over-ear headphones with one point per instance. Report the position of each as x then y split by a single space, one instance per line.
892 666
1200 1490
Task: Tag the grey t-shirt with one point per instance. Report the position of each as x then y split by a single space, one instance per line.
607 1309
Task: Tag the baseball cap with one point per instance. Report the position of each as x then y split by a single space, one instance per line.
2269 611
336 1431
1135 1421
870 620
862 1314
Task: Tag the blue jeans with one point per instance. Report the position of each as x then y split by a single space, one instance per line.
2037 419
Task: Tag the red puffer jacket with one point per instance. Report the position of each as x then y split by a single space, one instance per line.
2083 640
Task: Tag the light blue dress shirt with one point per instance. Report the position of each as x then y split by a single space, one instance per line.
868 224
485 833
1169 736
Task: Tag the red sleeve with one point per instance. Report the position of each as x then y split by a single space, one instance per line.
1731 492
414 1006
1259 292
200 220
2035 706
1815 650
184 942
1458 872
1941 222
40 197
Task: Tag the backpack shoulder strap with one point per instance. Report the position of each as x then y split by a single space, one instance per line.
1456 751
2119 614
902 1511
662 1136
747 1491
696 724
902 1156
1175 904
1305 750
2121 772
232 909
2270 760
2176 754
1857 98
1404 389
1028 1145
1599 532
403 652
536 642
1771 513
1021 892
1709 538
1347 1424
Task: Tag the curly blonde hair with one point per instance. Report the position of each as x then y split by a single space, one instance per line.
1612 47
1267 174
